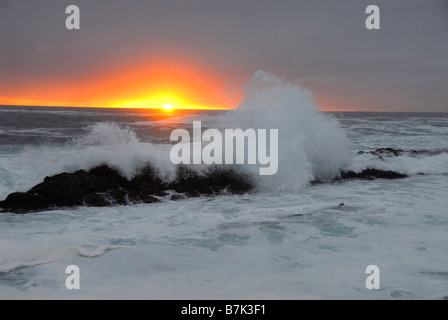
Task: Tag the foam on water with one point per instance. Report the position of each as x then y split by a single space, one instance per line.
94 251
101 134
271 246
105 144
6 267
432 164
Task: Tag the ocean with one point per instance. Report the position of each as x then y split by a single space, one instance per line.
289 239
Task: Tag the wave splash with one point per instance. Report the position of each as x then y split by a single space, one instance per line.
106 133
312 145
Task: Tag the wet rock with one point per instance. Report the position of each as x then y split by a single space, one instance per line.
97 200
20 202
391 152
70 189
371 174
108 173
119 197
388 152
147 181
213 181
149 199
176 197
104 186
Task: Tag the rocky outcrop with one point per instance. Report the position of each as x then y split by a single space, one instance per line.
214 180
104 186
391 152
366 174
370 174
19 202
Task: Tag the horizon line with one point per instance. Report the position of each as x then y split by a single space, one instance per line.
205 109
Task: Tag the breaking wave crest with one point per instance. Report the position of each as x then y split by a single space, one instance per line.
312 145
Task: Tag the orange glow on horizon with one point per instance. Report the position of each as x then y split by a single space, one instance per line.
149 85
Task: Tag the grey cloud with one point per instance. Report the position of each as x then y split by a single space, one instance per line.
400 67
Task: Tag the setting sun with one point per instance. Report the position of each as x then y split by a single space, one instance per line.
168 107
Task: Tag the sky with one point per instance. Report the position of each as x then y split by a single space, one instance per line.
202 53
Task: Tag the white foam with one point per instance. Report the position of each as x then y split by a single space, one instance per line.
93 252
433 164
240 246
107 133
106 143
311 144
8 266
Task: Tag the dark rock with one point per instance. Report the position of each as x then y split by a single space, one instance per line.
108 173
382 174
97 200
20 202
384 152
176 197
391 152
387 152
187 181
105 186
119 197
366 174
70 189
149 199
227 179
213 181
147 181
371 174
295 215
